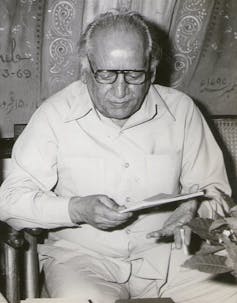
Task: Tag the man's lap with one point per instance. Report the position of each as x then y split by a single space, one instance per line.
76 278
86 277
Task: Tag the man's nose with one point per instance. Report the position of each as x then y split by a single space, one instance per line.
120 87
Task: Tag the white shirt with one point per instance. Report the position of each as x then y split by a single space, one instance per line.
68 149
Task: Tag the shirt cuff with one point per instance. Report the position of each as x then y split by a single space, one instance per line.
56 208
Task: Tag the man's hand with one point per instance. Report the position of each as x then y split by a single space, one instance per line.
97 210
175 224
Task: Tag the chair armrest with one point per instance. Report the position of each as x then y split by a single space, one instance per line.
34 231
13 241
10 236
31 262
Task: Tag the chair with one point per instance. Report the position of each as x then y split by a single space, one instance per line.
225 132
17 244
12 241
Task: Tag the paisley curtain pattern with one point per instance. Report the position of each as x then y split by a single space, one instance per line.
187 34
62 29
39 50
213 82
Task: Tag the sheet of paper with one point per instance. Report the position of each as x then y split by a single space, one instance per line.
159 200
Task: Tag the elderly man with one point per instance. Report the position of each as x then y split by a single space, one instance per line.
105 142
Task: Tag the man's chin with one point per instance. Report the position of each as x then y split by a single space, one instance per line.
118 114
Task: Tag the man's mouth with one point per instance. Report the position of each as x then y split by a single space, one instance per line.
120 102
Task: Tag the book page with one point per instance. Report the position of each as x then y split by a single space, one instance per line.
159 200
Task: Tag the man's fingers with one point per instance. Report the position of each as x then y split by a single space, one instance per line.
112 210
177 238
110 203
194 188
154 234
164 232
114 215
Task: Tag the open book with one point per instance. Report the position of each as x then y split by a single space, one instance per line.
159 200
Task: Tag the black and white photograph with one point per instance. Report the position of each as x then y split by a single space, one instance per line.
118 151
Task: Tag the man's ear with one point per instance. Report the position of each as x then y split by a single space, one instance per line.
153 70
83 76
83 69
153 75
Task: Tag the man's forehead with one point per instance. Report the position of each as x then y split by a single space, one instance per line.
121 53
118 44
118 36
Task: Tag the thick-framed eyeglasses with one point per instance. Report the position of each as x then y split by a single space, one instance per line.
135 77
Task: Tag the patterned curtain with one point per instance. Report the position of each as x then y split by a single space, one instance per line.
187 32
39 50
213 83
204 35
62 30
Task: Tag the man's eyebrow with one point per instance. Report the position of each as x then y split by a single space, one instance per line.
125 70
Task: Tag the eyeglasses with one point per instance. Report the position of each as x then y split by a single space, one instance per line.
110 76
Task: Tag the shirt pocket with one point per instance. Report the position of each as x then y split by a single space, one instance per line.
163 172
86 175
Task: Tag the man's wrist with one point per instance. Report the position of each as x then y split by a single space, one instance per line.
75 216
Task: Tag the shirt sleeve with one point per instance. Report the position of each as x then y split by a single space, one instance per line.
203 164
27 199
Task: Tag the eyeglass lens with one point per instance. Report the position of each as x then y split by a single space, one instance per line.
131 77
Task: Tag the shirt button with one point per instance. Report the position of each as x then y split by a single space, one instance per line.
128 199
126 164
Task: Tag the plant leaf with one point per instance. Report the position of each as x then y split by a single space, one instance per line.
232 222
212 264
217 224
201 226
209 249
232 252
233 211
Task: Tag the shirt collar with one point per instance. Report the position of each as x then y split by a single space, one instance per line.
79 102
80 105
162 106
